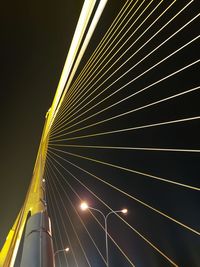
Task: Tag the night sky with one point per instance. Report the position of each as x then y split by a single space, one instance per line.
35 38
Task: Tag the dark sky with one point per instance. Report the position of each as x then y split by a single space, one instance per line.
35 37
34 41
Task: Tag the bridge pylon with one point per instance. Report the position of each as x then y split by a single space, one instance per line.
32 223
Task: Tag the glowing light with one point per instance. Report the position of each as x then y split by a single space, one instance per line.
124 211
84 206
66 249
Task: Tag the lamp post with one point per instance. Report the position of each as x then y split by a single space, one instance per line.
61 250
84 206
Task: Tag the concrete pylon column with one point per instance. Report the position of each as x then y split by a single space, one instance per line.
38 246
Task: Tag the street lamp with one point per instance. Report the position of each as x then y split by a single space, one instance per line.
61 250
84 206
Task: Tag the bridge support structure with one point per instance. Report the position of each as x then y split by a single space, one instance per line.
37 246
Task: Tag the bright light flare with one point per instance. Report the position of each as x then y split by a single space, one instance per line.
66 249
84 206
124 211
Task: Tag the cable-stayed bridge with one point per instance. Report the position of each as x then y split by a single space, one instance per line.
122 132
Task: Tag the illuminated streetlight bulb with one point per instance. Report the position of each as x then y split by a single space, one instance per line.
61 250
124 211
84 206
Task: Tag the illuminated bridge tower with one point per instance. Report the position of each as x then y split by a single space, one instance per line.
32 228
36 240
123 130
